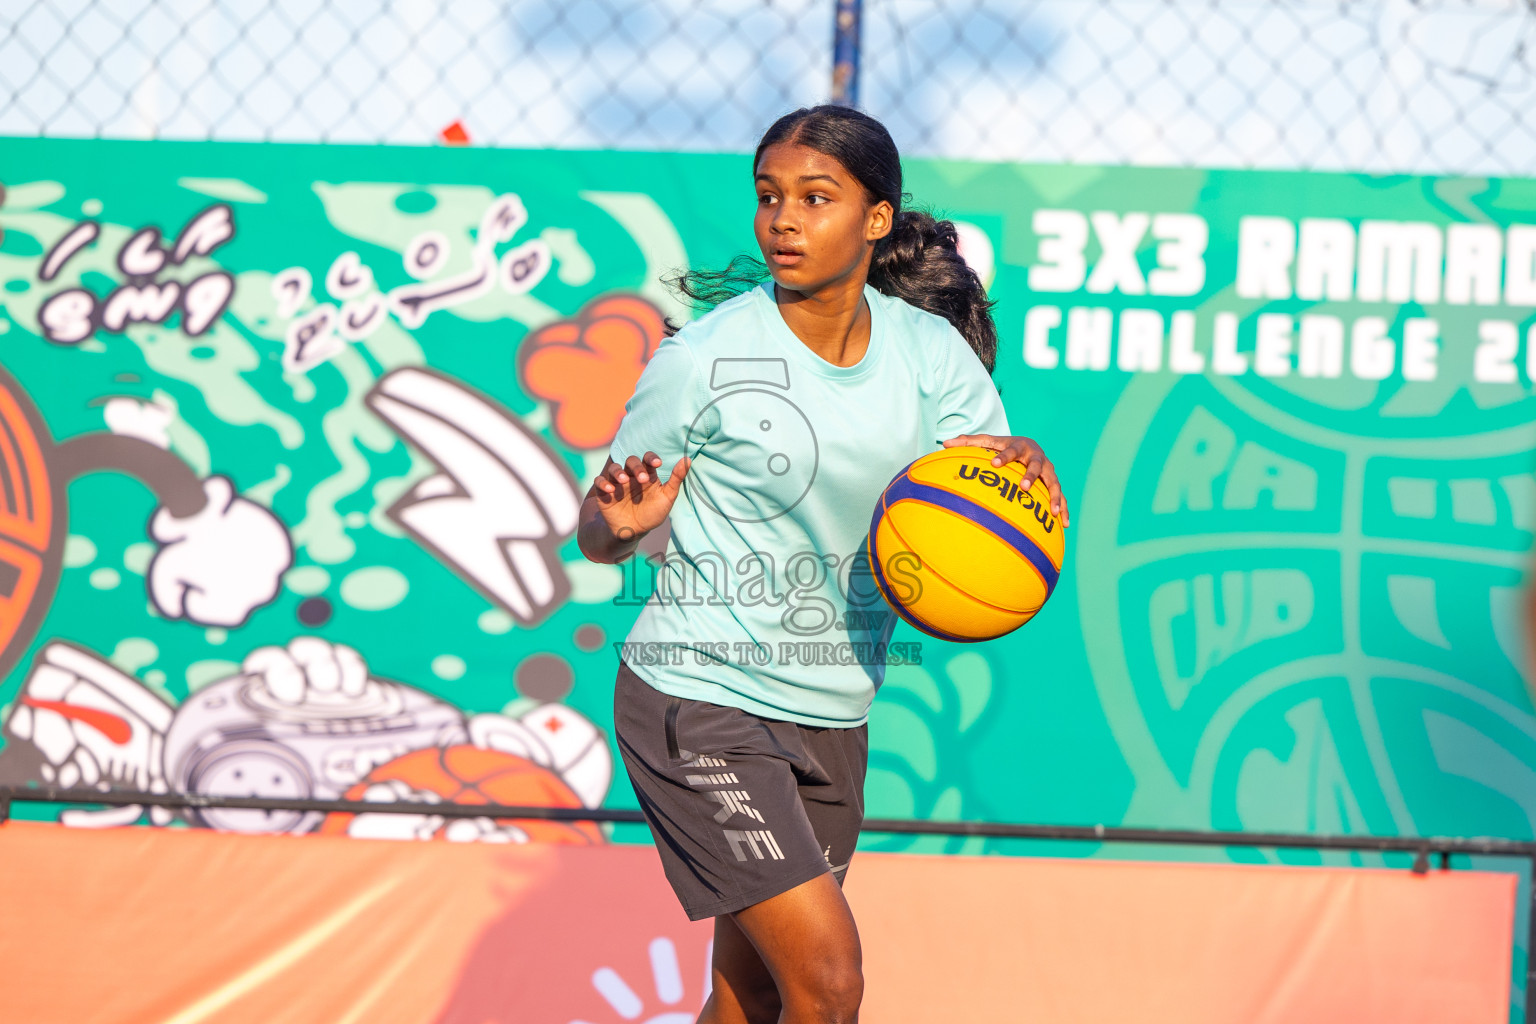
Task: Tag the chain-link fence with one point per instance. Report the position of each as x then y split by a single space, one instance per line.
1386 85
686 74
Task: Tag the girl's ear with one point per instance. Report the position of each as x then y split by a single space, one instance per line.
879 222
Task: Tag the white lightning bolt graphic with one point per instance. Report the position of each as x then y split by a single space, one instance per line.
503 503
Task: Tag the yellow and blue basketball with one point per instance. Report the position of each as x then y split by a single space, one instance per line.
960 549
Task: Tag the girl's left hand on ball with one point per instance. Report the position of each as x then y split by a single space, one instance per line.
1026 451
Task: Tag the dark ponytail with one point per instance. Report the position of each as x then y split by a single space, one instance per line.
918 262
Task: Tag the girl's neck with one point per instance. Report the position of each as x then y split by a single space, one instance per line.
833 322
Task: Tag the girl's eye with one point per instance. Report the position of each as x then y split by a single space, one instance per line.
816 200
765 199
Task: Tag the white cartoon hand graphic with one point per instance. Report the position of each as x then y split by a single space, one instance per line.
309 670
220 564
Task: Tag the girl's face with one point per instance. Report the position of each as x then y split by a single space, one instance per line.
815 223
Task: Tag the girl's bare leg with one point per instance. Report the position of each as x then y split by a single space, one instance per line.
791 959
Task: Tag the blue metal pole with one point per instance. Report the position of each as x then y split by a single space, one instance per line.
845 52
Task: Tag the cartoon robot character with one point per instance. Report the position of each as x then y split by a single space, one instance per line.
220 556
259 734
305 721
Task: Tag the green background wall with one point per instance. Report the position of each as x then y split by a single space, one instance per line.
1289 603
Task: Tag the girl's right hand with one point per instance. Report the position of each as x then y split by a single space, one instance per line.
630 498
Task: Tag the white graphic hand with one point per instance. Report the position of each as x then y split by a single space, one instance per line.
218 565
309 670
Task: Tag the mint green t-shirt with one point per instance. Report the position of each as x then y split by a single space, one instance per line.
764 600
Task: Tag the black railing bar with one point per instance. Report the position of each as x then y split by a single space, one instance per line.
123 798
1425 845
1481 845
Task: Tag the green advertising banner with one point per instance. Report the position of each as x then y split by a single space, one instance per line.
294 438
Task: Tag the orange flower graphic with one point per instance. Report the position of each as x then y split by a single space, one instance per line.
586 367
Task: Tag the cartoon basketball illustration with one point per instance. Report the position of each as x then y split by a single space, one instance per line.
467 774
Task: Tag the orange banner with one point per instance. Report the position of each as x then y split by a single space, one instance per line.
180 926
999 939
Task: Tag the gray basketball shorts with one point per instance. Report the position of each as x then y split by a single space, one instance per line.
742 807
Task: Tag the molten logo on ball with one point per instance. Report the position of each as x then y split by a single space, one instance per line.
1011 491
987 550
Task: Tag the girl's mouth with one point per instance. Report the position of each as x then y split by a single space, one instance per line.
787 257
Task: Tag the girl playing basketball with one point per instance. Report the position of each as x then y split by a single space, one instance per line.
742 698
